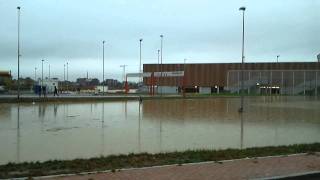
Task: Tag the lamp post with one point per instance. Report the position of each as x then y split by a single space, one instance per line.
158 69
158 56
161 47
42 73
242 58
103 67
67 76
49 71
184 79
278 58
18 8
35 74
140 79
64 76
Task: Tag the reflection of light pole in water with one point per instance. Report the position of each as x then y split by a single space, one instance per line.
242 57
55 109
241 133
18 134
125 110
160 129
102 128
139 129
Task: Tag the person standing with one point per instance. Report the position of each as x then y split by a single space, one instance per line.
55 91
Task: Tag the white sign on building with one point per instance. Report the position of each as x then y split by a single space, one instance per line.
169 74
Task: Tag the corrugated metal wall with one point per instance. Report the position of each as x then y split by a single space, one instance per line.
216 73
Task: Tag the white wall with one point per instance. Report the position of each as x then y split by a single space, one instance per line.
100 88
50 84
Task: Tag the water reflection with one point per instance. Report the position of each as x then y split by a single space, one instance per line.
68 131
55 109
102 130
18 133
241 130
139 127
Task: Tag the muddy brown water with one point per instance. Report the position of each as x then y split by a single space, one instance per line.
47 131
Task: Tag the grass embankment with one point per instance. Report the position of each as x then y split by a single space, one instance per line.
145 160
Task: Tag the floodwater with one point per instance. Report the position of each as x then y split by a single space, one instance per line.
47 131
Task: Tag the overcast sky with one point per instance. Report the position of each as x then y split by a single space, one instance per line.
202 31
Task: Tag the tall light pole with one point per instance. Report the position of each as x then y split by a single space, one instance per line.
103 67
64 76
67 76
158 68
18 8
184 79
158 56
49 71
161 47
42 73
140 79
278 58
35 74
242 58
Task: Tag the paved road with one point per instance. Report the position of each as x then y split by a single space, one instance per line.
238 169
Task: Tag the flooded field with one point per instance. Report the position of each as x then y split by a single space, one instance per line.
45 131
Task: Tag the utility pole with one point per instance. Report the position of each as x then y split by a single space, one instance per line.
35 74
242 61
42 73
67 76
140 78
49 71
18 8
158 56
103 67
161 68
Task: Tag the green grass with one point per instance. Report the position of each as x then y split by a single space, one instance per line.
29 169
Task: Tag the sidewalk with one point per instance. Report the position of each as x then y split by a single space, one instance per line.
237 169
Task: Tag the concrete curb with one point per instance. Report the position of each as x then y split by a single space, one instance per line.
290 176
